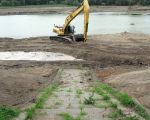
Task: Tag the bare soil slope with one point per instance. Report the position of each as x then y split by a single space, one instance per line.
136 83
19 86
118 53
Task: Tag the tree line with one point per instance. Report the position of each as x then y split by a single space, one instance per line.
73 2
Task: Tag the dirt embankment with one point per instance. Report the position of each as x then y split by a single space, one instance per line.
20 85
65 9
108 55
135 83
111 49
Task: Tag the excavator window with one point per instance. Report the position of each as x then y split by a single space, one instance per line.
70 29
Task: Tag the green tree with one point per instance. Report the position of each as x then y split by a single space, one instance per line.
73 2
6 2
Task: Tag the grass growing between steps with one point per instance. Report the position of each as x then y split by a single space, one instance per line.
67 116
90 100
7 113
46 93
124 99
78 93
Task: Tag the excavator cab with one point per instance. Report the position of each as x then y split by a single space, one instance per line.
67 32
70 29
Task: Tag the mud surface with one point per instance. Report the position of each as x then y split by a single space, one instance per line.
107 55
65 9
19 86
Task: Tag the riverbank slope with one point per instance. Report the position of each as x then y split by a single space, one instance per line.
107 55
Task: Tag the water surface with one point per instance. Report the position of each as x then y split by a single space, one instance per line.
23 26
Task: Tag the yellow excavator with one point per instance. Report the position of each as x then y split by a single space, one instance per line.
66 32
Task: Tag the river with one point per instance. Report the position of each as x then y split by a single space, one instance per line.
24 26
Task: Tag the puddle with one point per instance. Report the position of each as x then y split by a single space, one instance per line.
36 56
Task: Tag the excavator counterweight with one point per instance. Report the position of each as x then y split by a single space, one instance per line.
67 32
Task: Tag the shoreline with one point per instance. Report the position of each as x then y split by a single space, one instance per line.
65 9
89 36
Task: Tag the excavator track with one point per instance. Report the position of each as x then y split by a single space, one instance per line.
61 39
68 39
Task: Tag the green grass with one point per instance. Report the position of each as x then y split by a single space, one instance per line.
82 112
113 104
41 100
69 90
30 113
78 93
141 111
98 90
131 118
102 105
116 114
58 103
67 116
106 97
124 98
7 113
90 100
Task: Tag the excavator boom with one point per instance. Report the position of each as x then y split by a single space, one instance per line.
66 31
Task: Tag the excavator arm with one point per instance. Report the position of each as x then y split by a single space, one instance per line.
63 31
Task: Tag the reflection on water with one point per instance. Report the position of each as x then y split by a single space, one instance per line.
22 26
36 56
